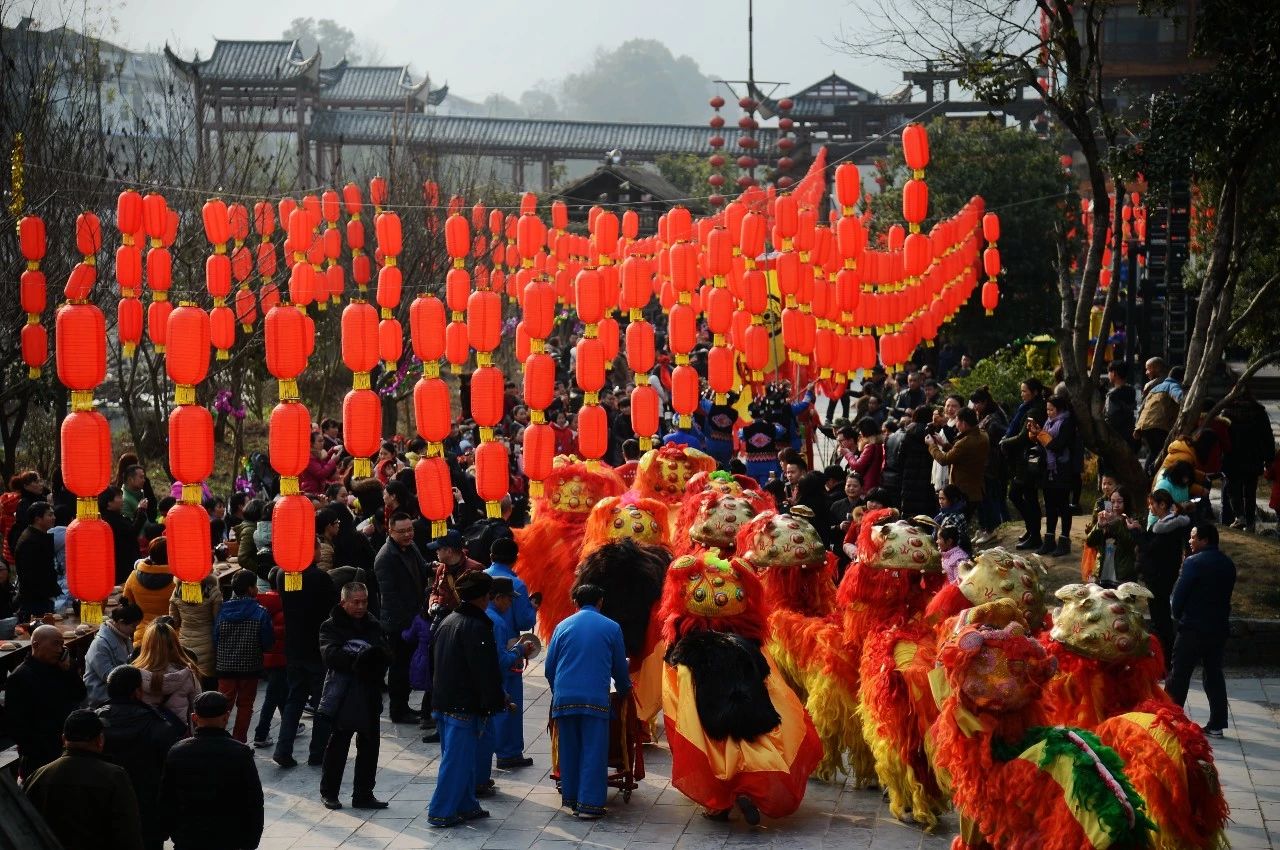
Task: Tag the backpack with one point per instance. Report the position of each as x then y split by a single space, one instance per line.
480 537
239 647
1159 412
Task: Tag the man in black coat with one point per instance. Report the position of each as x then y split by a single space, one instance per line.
87 801
210 793
403 578
466 688
39 696
355 656
1252 449
304 611
138 739
123 531
33 557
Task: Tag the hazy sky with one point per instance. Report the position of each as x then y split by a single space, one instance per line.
505 46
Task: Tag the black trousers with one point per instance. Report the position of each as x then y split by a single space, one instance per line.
1154 441
1026 498
1057 508
335 760
1160 581
1241 499
1193 649
398 674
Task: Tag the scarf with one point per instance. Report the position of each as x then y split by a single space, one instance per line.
1052 426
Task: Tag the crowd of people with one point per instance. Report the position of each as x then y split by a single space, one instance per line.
387 607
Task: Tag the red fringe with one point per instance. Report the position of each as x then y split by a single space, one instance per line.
548 564
599 530
1084 692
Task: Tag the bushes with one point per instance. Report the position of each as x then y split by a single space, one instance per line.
1001 373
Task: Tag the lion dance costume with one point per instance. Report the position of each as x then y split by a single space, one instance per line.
738 735
550 545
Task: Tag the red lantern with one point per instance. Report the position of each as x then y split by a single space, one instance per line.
589 368
484 321
361 428
81 351
640 347
990 296
285 339
426 328
187 358
539 309
682 330
457 346
915 200
390 341
848 186
31 238
189 548
493 476
915 146
644 414
191 448
91 565
128 325
222 330
539 455
217 224
387 228
487 397
457 237
593 431
360 339
539 382
159 270
756 354
589 297
289 443
720 371
293 537
431 411
991 227
435 492
991 262
684 393
86 454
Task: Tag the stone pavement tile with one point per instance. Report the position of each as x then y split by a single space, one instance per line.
564 827
674 813
324 836
597 840
700 842
512 839
1246 817
1270 810
552 844
1248 838
1265 777
656 833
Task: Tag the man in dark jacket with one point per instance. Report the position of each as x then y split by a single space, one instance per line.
39 696
1253 449
87 801
917 496
466 690
33 557
210 793
402 579
353 646
1202 609
138 738
124 532
304 611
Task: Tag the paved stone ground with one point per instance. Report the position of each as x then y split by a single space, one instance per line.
526 813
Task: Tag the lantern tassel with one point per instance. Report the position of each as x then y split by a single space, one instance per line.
646 443
492 510
535 489
360 381
91 613
191 495
223 354
292 581
486 434
191 592
439 528
86 508
289 485
128 348
362 468
686 421
33 372
82 400
288 389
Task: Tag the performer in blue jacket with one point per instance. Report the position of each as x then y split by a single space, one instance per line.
518 617
585 652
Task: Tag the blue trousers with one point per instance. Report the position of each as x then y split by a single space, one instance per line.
454 799
584 761
721 450
484 753
508 726
760 469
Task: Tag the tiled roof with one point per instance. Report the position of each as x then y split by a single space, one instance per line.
504 135
252 61
368 84
821 99
649 182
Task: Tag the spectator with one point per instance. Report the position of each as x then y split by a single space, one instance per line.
811 494
247 554
353 646
480 535
321 466
111 647
512 652
124 532
833 478
1057 438
170 679
843 510
1160 551
210 793
1112 536
328 525
1201 606
273 663
194 622
1027 473
519 616
242 634
154 527
912 397
33 554
353 549
87 801
216 507
13 508
966 457
419 636
1273 475
304 612
869 461
150 585
466 689
1196 452
953 554
917 496
1253 449
39 695
331 430
586 650
134 494
6 591
964 369
1121 407
793 469
402 579
992 511
1158 410
138 738
953 512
